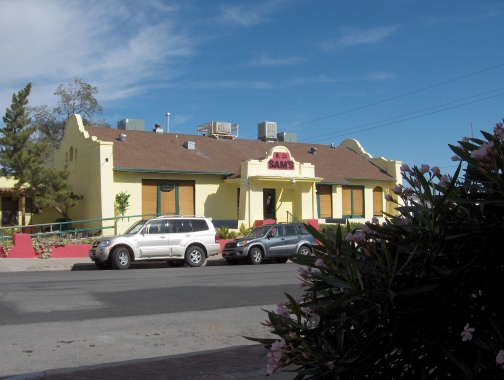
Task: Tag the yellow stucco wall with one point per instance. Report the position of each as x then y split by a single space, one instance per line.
90 171
92 175
294 189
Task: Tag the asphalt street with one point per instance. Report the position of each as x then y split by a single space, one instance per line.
63 319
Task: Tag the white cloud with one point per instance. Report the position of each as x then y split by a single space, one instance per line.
266 60
260 85
249 15
117 46
355 37
380 76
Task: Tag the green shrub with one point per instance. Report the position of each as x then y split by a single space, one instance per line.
122 202
224 233
244 231
417 297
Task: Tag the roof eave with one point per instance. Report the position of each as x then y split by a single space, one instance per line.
170 171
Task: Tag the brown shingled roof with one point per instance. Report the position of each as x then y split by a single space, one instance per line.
150 151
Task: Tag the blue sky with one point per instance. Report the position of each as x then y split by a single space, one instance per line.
404 78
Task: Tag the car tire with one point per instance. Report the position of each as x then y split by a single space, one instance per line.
233 262
281 260
195 256
103 265
305 251
255 255
121 258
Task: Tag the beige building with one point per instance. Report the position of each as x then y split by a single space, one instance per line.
218 175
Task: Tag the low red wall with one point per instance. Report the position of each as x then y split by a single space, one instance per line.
222 243
23 249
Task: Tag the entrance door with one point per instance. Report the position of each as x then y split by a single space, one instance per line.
269 204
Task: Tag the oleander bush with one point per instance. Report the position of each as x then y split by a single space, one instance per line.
416 297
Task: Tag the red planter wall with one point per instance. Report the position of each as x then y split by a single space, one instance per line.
23 249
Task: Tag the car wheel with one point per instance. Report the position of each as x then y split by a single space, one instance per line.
194 256
175 263
255 256
281 260
103 265
232 262
121 258
305 251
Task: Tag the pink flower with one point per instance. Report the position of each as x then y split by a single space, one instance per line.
358 237
330 365
424 168
443 181
467 333
303 272
500 358
465 139
374 220
301 285
404 168
499 131
409 192
276 352
282 310
397 189
483 151
388 197
319 263
455 158
435 170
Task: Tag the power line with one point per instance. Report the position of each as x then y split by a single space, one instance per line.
410 113
415 117
393 98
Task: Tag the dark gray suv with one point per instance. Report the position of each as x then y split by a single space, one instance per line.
276 241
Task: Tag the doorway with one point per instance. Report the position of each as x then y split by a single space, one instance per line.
269 204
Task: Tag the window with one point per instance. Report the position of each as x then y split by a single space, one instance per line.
291 231
353 201
71 153
378 201
167 197
324 197
29 206
199 225
155 227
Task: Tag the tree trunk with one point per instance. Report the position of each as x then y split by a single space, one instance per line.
63 213
23 211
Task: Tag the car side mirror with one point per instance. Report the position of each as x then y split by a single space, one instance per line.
270 234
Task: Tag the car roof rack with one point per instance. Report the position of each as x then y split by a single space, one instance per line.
181 216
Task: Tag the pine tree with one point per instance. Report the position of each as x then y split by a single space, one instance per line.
22 158
15 142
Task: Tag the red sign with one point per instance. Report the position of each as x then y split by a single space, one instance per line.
281 161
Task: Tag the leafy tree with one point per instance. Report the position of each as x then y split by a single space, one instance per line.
22 158
122 202
76 97
416 297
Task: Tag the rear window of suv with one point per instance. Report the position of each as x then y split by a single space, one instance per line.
199 225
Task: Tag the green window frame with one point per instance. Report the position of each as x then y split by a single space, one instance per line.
353 205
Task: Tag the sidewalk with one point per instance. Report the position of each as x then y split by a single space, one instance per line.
242 362
80 263
234 363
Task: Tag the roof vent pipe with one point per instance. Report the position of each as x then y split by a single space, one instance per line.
313 150
122 137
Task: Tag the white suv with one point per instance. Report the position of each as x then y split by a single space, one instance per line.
177 239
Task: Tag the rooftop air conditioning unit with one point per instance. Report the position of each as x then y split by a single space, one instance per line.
220 127
267 130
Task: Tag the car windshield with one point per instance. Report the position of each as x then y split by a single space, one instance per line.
135 228
258 232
